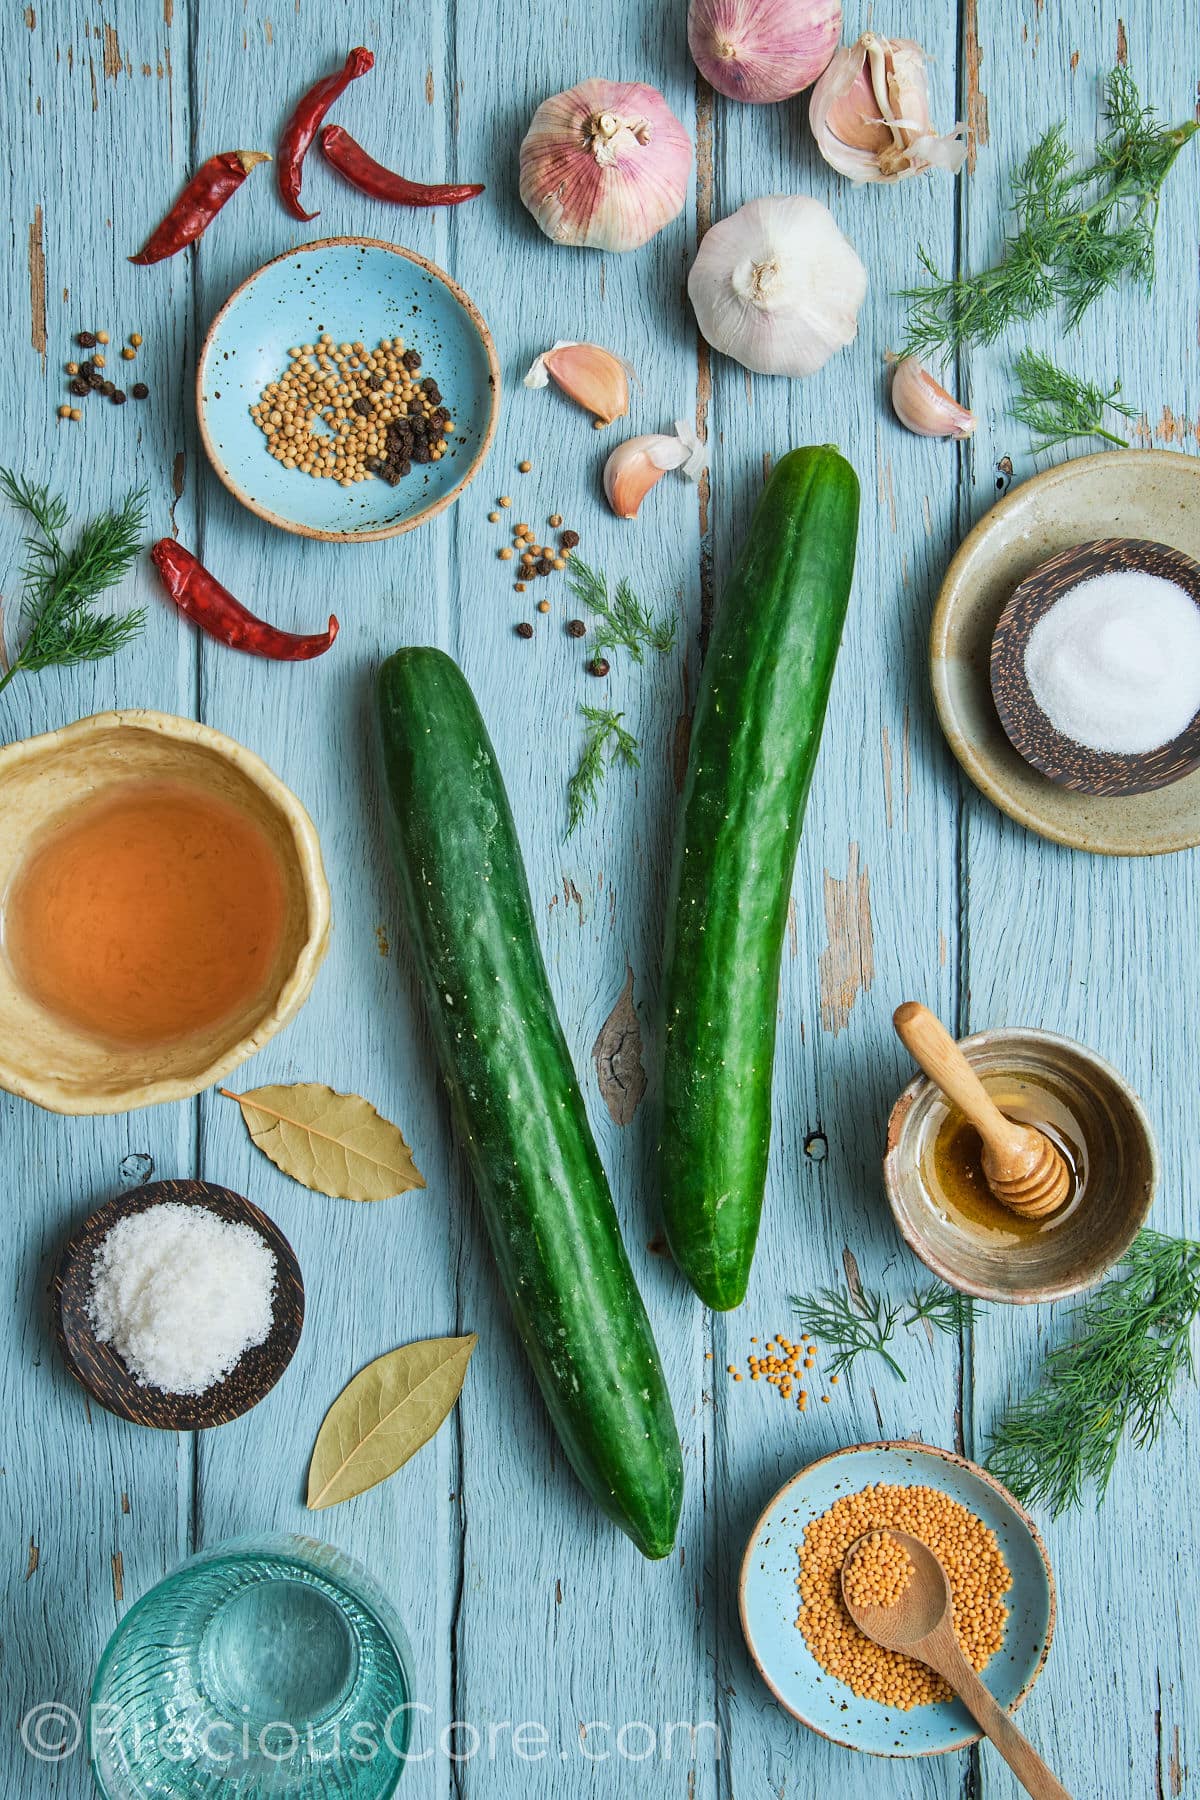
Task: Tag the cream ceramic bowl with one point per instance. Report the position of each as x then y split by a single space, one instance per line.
48 1061
1097 1231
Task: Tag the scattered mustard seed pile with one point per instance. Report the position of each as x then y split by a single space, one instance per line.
879 1572
378 417
780 1365
970 1555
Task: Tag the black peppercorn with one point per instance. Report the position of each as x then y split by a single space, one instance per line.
108 389
375 382
525 629
411 360
117 396
569 539
140 391
543 565
597 666
576 628
362 406
80 385
87 368
88 339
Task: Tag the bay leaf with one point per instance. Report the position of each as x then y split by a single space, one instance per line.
383 1417
336 1144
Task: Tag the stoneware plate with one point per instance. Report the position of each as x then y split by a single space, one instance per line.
98 1367
1029 730
1152 494
357 289
768 1600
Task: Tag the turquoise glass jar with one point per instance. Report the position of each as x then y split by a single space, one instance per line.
267 1668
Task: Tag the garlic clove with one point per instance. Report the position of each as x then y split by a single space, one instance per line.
638 464
595 379
869 113
924 406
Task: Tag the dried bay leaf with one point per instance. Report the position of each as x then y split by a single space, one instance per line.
383 1417
336 1144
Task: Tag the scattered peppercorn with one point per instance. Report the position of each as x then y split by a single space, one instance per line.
598 666
543 565
524 467
576 628
107 388
525 629
140 391
81 385
87 368
88 339
118 396
543 606
569 539
411 360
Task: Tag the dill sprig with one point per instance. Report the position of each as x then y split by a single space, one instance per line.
941 1307
1078 233
1132 1343
1059 406
605 741
59 585
628 624
850 1324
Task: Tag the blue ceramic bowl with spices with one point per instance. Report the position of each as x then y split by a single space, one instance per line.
358 291
769 1600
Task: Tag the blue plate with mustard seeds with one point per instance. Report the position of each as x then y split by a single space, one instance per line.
769 1600
358 290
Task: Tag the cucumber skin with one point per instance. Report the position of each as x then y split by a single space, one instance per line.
516 1104
754 743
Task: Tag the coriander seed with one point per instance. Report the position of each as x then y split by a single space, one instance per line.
102 337
524 467
543 606
135 338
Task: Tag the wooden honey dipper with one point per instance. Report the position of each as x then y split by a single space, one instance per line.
1022 1167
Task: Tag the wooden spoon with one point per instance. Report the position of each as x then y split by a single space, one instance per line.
921 1624
1022 1167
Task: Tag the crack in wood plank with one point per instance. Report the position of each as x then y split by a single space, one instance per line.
37 286
977 106
847 964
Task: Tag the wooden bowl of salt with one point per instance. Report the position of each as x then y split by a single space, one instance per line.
1095 667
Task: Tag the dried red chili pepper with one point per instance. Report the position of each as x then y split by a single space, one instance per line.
201 200
201 598
369 177
304 124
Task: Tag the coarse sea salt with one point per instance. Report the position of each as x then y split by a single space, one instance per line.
1115 663
181 1295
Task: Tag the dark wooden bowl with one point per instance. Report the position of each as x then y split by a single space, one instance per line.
1030 732
98 1367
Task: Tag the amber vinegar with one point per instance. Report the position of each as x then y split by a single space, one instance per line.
147 913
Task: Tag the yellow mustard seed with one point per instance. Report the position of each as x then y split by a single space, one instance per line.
101 338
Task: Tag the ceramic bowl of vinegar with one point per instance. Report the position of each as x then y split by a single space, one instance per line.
47 1057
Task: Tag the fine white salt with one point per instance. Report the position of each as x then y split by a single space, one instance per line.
181 1295
1115 664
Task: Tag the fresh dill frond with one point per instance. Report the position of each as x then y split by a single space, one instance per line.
941 1307
628 625
1078 232
1131 1345
606 741
1058 406
850 1325
59 585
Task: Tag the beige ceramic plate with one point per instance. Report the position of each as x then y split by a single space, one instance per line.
1126 493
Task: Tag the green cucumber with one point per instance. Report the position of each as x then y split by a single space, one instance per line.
515 1101
755 737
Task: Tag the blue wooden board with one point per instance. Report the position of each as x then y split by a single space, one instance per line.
521 1603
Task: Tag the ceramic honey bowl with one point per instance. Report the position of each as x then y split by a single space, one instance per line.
74 1050
942 1205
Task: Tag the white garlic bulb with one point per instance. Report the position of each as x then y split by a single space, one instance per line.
605 164
777 286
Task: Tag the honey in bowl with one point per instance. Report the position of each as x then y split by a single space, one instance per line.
952 1167
147 913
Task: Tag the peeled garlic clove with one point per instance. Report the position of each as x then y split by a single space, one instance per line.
923 404
595 379
869 113
605 164
762 50
636 465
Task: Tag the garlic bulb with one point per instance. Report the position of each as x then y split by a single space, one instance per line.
923 404
869 113
594 378
634 467
777 287
605 164
763 50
